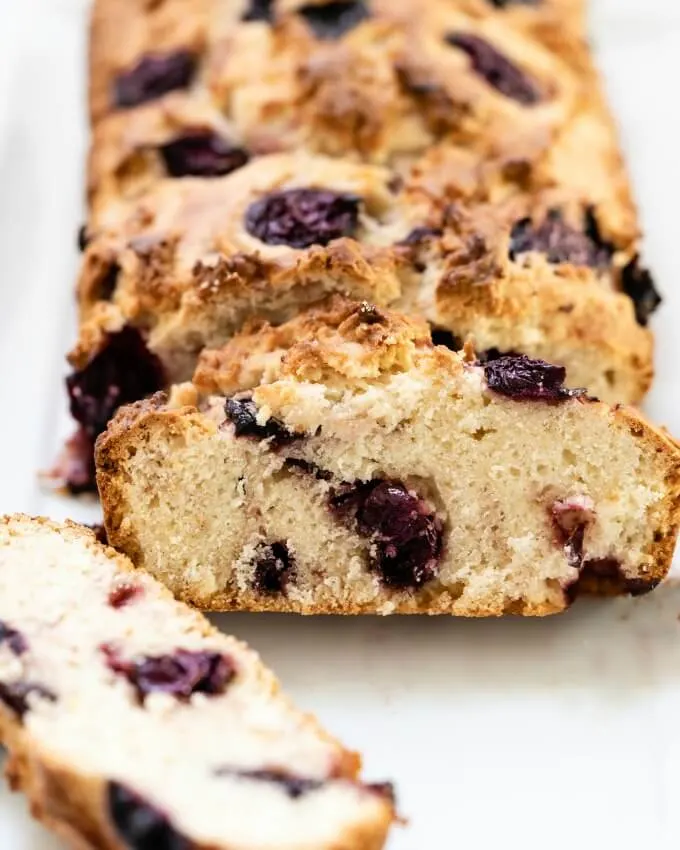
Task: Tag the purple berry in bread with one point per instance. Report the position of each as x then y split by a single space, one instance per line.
181 674
202 155
520 377
141 825
406 533
559 242
122 372
15 695
153 76
303 217
497 69
637 282
294 786
242 412
12 638
274 568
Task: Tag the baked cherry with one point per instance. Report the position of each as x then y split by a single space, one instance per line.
302 217
522 378
153 76
497 69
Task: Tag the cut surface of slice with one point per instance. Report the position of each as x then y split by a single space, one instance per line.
132 723
342 463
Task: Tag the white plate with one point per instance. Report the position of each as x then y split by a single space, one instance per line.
557 733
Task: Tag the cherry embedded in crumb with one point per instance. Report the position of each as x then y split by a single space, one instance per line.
571 518
153 76
274 568
300 218
606 576
294 786
15 695
13 639
140 825
406 534
496 69
181 673
242 413
123 594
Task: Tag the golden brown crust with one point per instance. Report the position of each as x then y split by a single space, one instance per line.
351 340
74 805
391 90
188 272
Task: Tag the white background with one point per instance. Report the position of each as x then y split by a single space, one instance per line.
559 733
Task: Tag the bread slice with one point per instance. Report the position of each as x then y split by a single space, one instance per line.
342 463
132 723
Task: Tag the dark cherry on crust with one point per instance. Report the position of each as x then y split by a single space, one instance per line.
153 76
560 242
332 20
140 825
202 154
181 673
294 786
15 695
496 69
12 639
259 10
122 372
638 284
524 379
303 217
405 533
242 412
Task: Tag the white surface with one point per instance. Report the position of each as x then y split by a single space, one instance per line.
560 733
